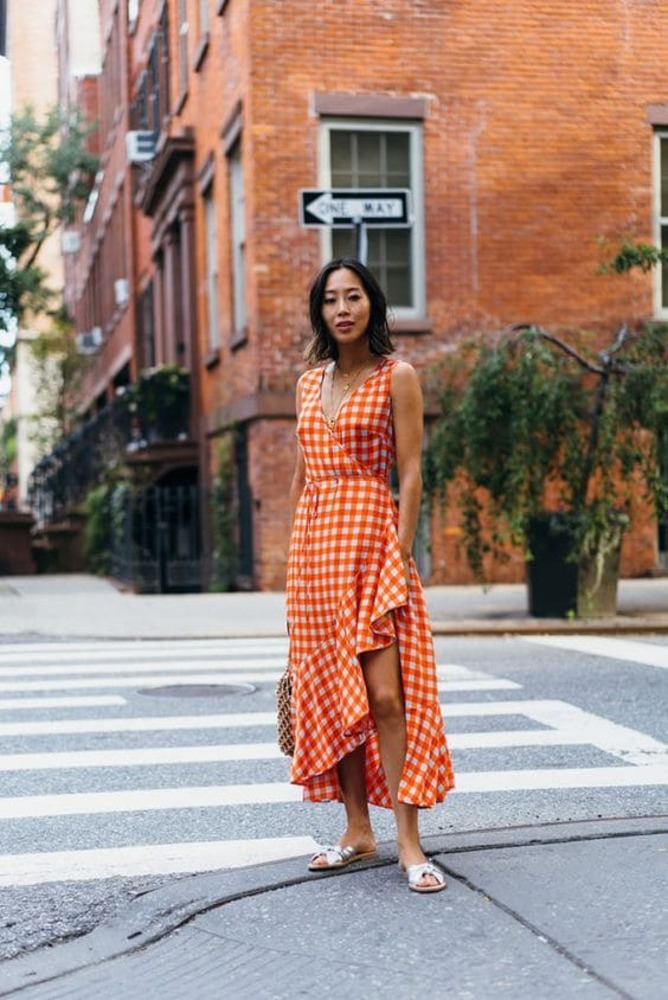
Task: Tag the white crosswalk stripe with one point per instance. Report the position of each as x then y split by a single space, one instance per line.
65 727
85 701
142 648
160 667
134 681
169 859
598 645
29 672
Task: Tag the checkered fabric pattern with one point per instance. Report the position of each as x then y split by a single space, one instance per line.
347 594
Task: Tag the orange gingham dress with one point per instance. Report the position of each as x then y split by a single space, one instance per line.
347 594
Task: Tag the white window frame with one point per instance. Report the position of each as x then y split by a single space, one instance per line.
238 239
415 131
211 269
660 311
183 44
203 16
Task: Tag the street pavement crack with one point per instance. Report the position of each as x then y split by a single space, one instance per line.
539 934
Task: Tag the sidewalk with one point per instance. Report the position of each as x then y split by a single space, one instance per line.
538 913
80 606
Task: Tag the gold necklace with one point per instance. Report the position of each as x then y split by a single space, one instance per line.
351 380
351 376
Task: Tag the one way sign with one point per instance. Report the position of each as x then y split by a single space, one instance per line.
353 207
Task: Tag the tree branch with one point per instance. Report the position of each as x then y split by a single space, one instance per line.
566 348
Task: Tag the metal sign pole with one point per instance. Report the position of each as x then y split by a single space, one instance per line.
361 241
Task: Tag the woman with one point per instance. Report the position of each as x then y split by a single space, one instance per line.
365 710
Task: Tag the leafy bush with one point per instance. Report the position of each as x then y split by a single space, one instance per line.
532 421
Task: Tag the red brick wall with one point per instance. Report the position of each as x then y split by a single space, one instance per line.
448 553
536 145
272 449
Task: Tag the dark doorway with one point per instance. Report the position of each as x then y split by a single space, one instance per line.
156 538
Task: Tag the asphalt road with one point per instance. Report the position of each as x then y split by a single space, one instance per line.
123 768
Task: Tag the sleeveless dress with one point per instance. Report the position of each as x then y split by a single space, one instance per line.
347 594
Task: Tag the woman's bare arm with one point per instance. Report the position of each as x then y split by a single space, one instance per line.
408 416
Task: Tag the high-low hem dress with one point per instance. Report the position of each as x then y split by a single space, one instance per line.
347 594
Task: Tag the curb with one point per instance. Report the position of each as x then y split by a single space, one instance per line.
644 625
153 916
552 626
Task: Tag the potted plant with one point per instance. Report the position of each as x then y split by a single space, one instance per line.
162 399
551 442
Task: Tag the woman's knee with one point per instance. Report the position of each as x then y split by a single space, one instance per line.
385 702
382 675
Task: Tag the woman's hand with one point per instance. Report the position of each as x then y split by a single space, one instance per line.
406 558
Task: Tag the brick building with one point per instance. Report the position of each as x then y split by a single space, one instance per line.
531 136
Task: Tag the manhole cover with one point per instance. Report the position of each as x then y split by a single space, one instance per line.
198 690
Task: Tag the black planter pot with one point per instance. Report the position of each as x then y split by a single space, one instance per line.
558 586
551 579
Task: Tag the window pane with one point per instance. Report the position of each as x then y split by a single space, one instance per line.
343 243
390 260
183 44
211 270
397 245
664 177
398 159
398 285
664 269
369 158
341 158
238 237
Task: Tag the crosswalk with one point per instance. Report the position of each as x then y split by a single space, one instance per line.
72 762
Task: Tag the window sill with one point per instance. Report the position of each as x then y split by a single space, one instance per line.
180 101
212 359
414 326
202 49
239 339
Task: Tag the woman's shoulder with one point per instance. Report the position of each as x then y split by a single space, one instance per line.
401 372
405 389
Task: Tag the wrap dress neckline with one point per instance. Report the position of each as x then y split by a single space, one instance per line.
325 369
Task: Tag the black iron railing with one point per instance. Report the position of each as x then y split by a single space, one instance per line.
154 409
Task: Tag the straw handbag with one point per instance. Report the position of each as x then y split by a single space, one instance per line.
286 738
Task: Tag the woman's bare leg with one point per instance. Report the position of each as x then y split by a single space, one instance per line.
382 674
358 832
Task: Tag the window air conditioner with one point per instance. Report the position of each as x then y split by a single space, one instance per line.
88 343
71 241
140 146
121 294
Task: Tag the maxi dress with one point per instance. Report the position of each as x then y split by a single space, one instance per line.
347 594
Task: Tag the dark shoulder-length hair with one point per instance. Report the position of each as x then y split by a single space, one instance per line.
322 345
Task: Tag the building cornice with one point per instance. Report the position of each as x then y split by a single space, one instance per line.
169 157
263 405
